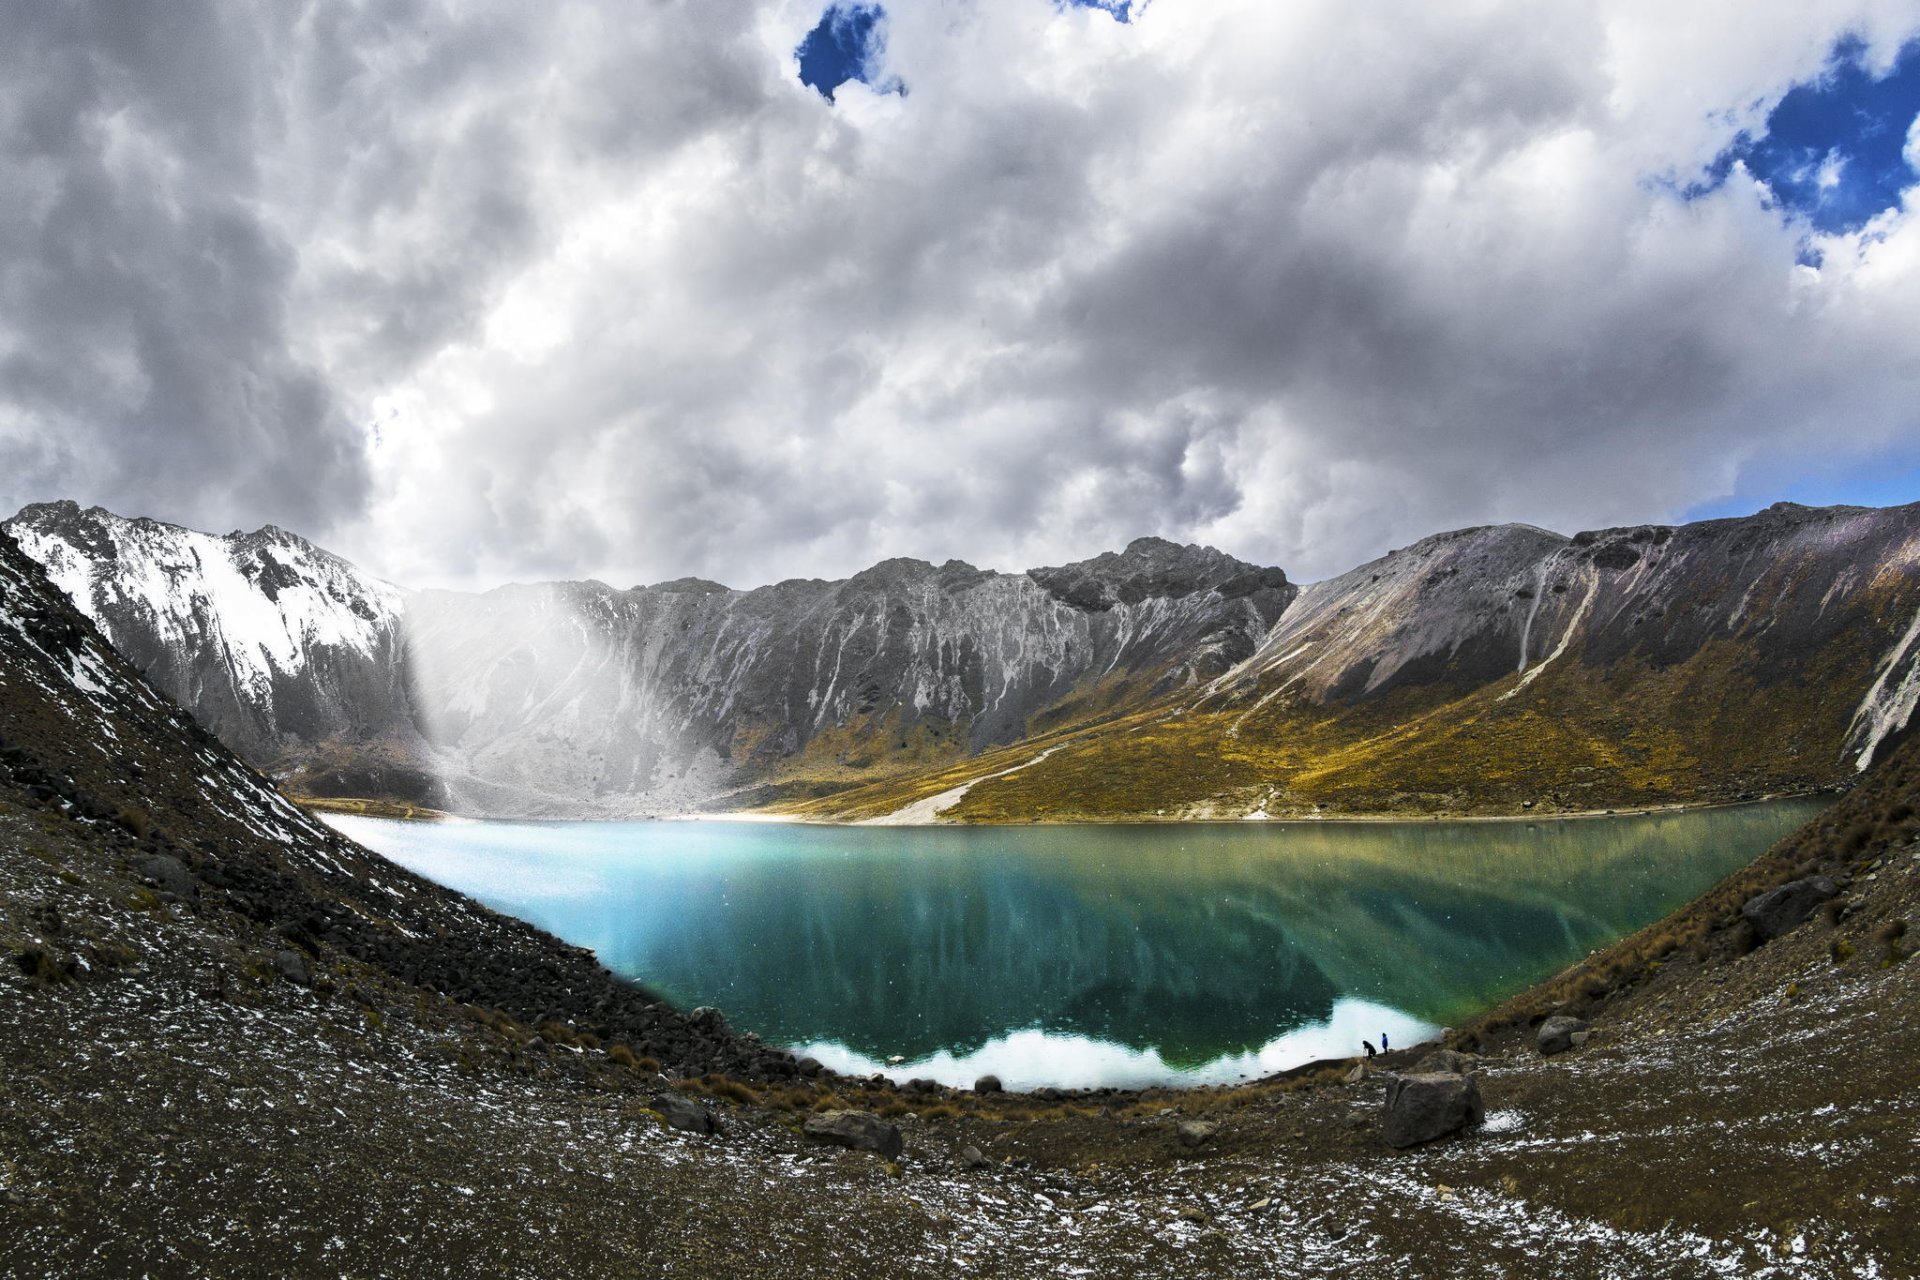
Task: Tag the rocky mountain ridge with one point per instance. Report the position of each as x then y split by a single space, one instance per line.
1492 669
582 699
1508 669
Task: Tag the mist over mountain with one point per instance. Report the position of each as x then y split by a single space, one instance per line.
1487 669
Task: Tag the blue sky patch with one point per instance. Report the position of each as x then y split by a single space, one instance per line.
848 44
1833 151
1120 9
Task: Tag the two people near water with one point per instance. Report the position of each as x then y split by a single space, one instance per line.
1368 1044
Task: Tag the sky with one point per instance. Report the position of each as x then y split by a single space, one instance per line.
756 289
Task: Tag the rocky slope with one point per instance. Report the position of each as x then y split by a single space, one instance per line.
234 1044
1508 668
1484 671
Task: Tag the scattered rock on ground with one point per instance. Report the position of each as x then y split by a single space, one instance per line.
164 871
970 1158
1446 1061
682 1112
1193 1133
857 1129
292 966
1556 1034
987 1084
1358 1073
1781 910
1420 1108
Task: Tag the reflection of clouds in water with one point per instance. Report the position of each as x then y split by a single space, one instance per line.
492 863
1033 1058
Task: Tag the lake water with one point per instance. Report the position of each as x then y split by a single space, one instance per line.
1088 955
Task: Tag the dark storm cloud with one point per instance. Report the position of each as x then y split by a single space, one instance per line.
143 321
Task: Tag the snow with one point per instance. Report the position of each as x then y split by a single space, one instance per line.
194 590
1889 702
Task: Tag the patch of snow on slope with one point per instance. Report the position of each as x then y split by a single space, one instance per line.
1889 702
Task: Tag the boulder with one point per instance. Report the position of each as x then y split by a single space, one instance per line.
859 1130
1358 1073
971 1158
1193 1133
1556 1034
1445 1061
292 966
987 1084
166 872
1786 908
1420 1108
683 1113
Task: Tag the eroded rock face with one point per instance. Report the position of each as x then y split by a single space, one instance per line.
1422 1107
1782 910
859 1130
1559 1034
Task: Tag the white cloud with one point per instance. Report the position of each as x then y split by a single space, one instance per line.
1303 280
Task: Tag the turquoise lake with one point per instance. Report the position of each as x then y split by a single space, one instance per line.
1088 955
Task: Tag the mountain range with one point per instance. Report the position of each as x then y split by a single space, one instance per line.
1499 669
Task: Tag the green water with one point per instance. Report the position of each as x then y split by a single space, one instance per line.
1078 955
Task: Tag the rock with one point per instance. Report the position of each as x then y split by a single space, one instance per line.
1420 1108
987 1084
1358 1073
164 871
292 966
1193 1133
1445 1061
971 1158
1786 908
1556 1034
857 1129
682 1112
809 1067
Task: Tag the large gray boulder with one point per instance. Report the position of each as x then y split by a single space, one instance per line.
1786 908
857 1129
1559 1034
1423 1107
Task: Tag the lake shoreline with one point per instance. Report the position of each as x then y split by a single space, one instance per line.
394 812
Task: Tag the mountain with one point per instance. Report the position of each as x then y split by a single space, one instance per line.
579 698
1505 669
1494 669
